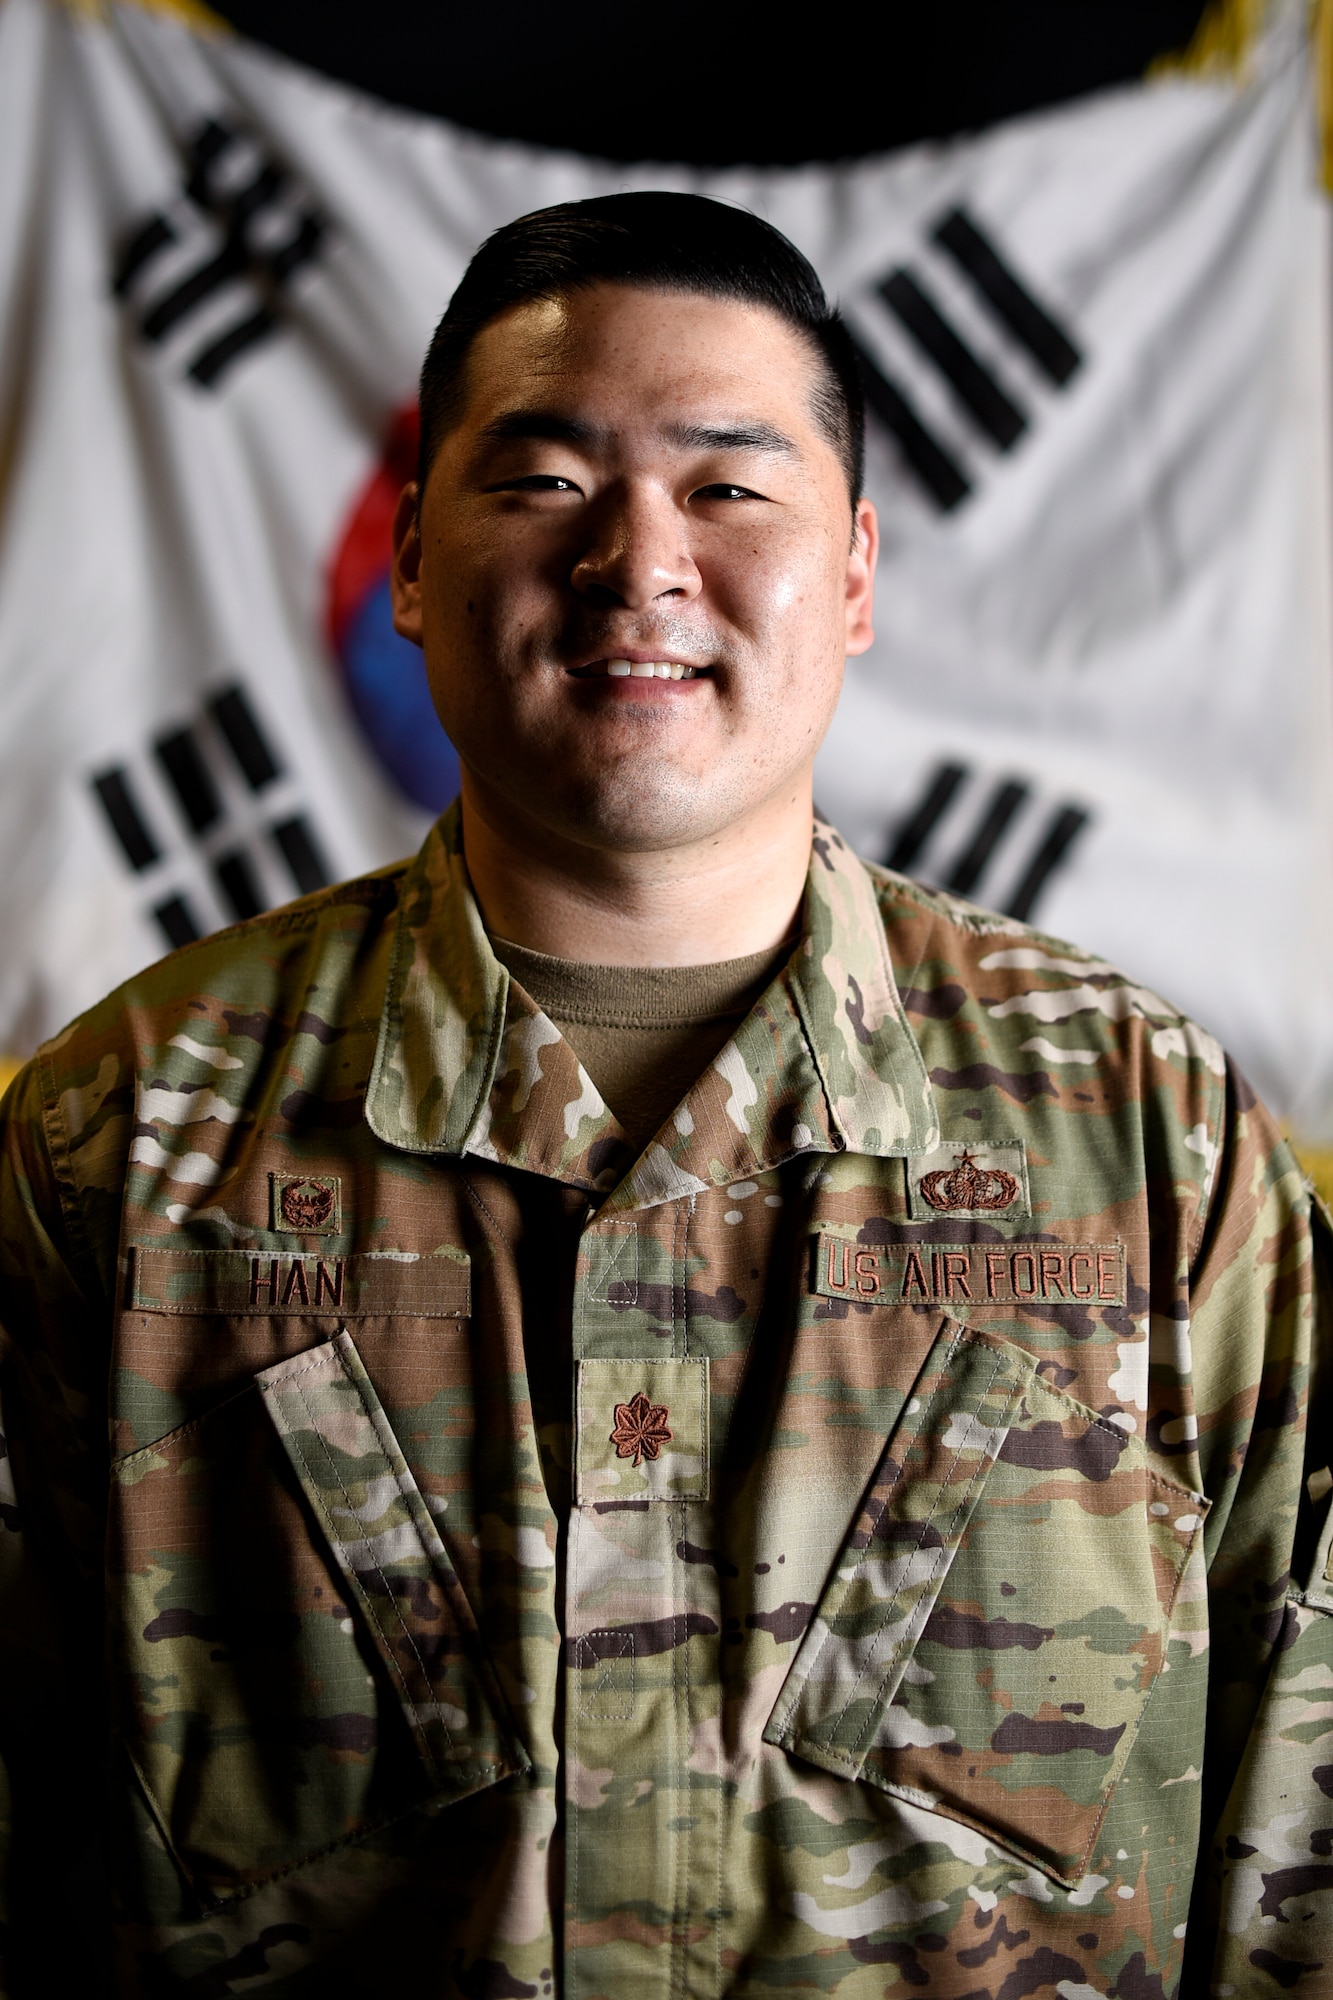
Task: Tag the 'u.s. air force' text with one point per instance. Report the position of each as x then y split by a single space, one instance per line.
969 1273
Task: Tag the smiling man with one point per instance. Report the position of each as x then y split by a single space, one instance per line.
636 1407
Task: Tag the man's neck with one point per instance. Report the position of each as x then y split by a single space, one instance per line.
732 894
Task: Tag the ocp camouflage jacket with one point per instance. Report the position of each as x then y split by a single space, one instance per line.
864 1544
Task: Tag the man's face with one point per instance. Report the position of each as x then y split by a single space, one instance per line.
637 477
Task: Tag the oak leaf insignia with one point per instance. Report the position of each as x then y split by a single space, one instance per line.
641 1428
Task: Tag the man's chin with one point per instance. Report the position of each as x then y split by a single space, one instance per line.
647 820
634 808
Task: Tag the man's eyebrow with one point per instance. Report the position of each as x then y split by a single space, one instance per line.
754 436
516 426
520 426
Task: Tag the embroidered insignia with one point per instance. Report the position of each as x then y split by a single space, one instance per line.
308 1206
641 1428
661 1424
965 1185
307 1203
972 1176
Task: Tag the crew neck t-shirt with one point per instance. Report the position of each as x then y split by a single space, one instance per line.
644 1033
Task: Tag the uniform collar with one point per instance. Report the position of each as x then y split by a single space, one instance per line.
467 1064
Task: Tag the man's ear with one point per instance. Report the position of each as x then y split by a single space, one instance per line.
861 579
405 576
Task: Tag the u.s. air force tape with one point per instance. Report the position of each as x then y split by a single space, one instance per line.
959 1274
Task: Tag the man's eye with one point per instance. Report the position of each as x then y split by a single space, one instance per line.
537 482
723 490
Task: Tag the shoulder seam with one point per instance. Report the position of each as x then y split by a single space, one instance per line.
973 918
56 1140
289 918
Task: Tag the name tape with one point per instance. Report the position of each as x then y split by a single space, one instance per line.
958 1274
360 1285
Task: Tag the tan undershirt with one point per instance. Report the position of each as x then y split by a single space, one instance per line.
644 1033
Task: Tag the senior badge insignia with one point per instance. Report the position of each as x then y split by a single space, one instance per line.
982 1178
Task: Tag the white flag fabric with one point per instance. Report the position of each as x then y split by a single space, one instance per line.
1096 349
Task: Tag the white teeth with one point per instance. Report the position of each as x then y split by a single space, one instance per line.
647 670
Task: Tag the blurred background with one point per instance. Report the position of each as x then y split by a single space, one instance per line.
1083 250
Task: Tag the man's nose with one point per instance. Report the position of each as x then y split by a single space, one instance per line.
638 551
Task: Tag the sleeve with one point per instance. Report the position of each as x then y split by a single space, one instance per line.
1261 1919
54 1323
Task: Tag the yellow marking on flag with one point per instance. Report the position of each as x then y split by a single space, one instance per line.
1219 49
193 13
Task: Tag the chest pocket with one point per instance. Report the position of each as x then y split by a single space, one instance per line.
297 1660
991 1632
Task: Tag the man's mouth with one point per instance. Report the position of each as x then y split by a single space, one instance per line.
642 670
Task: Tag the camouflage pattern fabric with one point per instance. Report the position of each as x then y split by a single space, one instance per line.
865 1544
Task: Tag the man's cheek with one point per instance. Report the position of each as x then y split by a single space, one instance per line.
792 582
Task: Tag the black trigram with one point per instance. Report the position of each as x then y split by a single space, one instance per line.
986 404
214 263
186 760
1005 832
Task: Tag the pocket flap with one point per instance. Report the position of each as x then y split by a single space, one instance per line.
993 1627
384 1540
888 1576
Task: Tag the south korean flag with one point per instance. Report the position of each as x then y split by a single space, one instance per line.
1095 350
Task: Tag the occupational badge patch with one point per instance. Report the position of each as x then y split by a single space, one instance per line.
969 1178
306 1204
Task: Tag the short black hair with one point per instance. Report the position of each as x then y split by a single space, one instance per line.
666 242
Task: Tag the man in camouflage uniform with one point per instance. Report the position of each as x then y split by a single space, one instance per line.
851 1534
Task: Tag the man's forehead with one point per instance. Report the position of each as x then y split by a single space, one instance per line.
687 359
